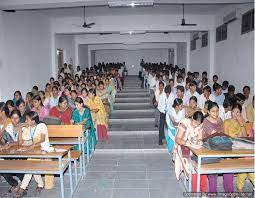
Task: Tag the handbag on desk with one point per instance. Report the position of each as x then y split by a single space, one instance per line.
218 142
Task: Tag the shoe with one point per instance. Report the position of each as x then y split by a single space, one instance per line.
156 125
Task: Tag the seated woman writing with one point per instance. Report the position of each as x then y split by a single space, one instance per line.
34 134
12 137
235 127
81 115
189 133
62 111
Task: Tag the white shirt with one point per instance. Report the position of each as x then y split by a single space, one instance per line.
152 82
170 100
79 73
157 85
53 101
187 96
162 103
218 99
177 116
223 115
201 101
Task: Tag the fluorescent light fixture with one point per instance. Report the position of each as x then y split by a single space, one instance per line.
123 3
131 32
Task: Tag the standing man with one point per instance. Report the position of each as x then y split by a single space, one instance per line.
162 107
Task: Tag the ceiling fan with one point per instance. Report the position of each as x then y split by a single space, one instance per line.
183 23
86 25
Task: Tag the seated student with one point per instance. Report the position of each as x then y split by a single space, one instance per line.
48 90
54 97
189 133
98 115
213 124
62 111
39 108
192 108
12 136
35 90
103 94
17 96
4 118
81 115
246 93
250 111
33 136
21 106
235 127
176 112
205 96
225 109
225 85
180 92
45 101
217 96
29 101
192 92
10 105
84 95
73 97
240 99
230 95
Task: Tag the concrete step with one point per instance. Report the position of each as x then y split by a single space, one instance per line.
132 100
132 95
132 123
132 132
137 127
133 106
148 113
133 90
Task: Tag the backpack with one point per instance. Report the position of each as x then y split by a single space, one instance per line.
218 143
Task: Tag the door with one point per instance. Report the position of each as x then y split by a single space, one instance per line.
60 58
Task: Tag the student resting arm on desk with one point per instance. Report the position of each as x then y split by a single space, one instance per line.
189 133
35 134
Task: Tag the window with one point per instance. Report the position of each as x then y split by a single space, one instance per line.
193 44
205 40
222 32
248 21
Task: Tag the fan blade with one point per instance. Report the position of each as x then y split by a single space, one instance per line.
90 24
189 24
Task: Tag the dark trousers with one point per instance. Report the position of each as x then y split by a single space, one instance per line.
10 180
162 120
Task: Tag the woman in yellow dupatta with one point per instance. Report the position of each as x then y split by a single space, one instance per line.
99 115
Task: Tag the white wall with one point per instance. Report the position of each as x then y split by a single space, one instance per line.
26 53
199 58
181 54
132 58
234 57
65 42
83 56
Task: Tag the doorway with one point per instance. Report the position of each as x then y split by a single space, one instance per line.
60 58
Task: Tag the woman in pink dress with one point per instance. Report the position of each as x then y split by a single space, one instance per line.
39 108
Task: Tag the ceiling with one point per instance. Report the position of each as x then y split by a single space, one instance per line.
201 5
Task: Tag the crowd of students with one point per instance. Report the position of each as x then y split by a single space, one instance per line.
190 108
82 97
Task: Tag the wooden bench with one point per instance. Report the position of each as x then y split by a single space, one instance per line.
70 135
46 163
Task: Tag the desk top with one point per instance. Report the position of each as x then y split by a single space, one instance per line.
15 151
203 152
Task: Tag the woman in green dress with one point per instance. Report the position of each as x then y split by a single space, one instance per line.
81 115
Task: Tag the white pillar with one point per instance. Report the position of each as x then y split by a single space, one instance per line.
212 40
54 64
188 56
175 54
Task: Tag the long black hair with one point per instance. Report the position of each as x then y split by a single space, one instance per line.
33 116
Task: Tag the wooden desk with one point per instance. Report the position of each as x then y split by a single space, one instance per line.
40 166
225 166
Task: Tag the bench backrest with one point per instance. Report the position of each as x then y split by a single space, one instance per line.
59 131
